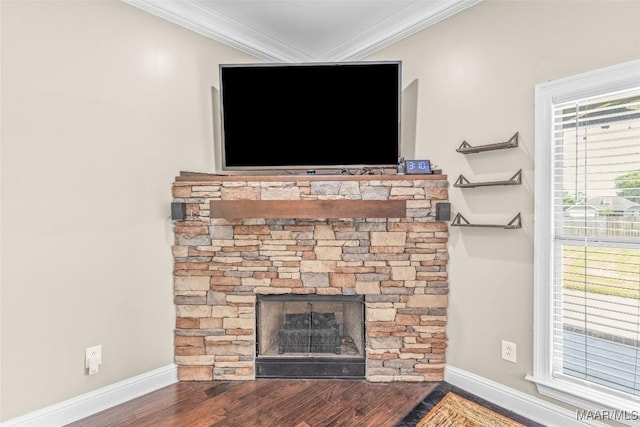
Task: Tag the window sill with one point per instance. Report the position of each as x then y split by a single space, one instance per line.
589 398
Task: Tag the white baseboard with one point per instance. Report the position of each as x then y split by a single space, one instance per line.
93 402
524 404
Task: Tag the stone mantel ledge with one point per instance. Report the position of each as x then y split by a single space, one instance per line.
190 178
193 189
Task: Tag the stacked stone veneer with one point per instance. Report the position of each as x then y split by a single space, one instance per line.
398 264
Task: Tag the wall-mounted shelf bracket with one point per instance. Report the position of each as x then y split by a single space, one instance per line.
460 221
463 182
466 148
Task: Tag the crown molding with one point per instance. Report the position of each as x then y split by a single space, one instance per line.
411 19
220 28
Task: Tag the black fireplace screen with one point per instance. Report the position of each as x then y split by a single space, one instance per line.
291 325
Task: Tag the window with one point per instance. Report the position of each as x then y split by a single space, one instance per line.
587 239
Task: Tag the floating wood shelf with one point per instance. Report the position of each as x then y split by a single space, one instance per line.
308 208
463 182
466 148
460 221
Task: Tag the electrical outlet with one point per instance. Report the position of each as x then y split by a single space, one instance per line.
509 351
93 358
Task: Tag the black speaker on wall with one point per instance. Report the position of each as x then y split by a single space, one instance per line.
443 211
178 211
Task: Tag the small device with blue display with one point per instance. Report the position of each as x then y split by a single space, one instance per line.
421 167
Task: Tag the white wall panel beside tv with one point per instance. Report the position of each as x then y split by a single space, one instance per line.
310 117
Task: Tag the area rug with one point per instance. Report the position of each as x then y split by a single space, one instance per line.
456 411
420 413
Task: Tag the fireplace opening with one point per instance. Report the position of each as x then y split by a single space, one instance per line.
310 336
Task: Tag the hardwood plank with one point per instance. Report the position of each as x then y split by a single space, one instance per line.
331 410
304 406
268 403
263 410
308 208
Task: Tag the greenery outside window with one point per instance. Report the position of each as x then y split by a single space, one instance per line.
587 240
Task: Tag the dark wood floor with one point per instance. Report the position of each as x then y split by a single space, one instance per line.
269 403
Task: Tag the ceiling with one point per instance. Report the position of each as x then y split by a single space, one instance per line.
305 30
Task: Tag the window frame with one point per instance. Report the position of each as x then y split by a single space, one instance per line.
595 83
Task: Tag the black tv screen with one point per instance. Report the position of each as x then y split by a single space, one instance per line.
310 116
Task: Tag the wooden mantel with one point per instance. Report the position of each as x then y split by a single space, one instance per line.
308 208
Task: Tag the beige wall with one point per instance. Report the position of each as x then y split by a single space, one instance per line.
476 74
103 104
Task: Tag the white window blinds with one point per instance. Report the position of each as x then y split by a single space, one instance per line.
596 242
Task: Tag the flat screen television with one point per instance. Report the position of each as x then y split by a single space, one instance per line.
315 116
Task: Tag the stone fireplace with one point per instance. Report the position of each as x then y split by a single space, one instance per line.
291 251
